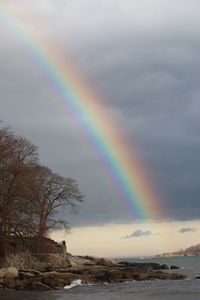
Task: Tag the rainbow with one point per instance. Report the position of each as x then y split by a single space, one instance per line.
127 174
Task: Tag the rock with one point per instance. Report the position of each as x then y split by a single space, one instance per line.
78 260
55 282
159 275
100 261
114 275
86 268
25 275
40 286
174 267
63 270
1 283
58 280
164 267
101 275
65 276
58 261
142 267
177 276
89 278
9 273
35 285
20 284
34 272
106 262
128 275
74 270
143 276
2 273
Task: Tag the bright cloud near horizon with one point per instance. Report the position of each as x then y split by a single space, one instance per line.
142 57
107 241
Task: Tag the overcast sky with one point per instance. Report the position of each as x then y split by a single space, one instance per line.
143 56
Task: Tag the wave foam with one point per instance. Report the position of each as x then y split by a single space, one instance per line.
74 283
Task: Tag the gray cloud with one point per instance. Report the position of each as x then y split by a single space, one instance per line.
184 230
144 60
138 233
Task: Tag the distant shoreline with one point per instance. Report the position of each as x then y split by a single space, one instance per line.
191 251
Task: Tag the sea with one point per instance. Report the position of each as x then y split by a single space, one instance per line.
188 289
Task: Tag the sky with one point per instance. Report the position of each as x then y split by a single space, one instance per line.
142 58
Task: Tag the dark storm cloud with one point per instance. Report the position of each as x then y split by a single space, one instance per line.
185 230
138 233
143 57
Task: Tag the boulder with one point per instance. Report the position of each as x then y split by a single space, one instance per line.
21 284
164 267
128 275
101 275
78 261
79 270
159 275
174 267
65 276
89 278
143 276
163 276
106 262
55 282
114 275
8 273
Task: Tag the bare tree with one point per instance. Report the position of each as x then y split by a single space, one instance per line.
17 156
30 194
52 193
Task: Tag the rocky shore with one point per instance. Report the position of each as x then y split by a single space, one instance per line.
85 268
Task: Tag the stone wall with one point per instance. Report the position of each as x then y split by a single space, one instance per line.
12 245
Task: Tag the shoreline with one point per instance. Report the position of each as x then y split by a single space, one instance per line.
85 269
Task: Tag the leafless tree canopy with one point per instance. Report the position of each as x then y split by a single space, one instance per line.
30 194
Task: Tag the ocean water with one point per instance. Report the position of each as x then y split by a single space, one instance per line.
188 289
